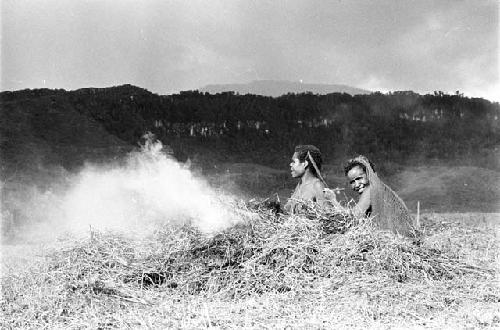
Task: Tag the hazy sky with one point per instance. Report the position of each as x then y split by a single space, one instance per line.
168 46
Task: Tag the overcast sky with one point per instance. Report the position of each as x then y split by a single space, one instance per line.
169 46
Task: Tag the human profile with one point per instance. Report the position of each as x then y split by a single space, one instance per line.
306 166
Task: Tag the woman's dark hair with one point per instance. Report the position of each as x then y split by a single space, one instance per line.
352 163
303 150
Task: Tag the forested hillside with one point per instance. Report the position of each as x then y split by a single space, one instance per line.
400 127
42 128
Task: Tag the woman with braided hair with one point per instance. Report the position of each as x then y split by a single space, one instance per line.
305 165
376 199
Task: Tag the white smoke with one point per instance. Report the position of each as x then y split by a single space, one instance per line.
150 187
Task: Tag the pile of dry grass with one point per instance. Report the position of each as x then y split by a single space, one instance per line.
266 252
270 269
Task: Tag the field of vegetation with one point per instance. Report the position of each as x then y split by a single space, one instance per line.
322 269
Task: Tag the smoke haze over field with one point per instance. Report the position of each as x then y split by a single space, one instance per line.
149 188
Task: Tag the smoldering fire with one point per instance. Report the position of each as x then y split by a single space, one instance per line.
149 187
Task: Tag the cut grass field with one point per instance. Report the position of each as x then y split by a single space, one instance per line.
266 272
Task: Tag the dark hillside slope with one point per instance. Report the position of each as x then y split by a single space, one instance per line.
45 129
399 128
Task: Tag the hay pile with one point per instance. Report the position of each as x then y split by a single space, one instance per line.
266 252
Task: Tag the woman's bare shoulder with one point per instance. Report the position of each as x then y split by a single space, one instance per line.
319 185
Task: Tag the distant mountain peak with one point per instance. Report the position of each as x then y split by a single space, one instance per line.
280 87
125 88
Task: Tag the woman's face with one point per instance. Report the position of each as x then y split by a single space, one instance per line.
357 179
297 168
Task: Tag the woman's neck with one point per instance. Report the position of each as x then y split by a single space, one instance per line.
307 177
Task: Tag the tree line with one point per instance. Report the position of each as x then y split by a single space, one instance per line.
399 126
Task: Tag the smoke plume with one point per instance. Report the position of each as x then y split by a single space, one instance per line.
147 188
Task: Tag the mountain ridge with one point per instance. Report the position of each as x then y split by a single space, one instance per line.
277 88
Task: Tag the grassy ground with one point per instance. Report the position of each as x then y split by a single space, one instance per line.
265 273
438 188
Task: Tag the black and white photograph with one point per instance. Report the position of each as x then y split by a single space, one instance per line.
249 164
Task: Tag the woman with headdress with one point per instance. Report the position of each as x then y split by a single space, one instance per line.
376 199
305 165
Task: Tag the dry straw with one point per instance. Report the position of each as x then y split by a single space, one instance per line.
266 252
316 253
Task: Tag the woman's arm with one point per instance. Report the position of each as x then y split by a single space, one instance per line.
319 195
363 203
331 196
358 210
